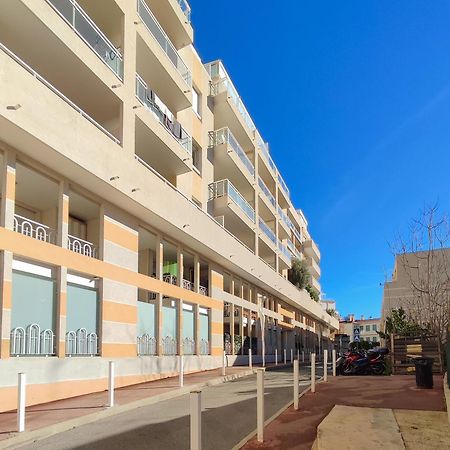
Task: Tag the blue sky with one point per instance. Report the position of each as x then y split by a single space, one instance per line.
354 99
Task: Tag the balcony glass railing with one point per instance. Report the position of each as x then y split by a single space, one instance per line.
225 187
163 40
148 98
266 191
285 218
185 7
283 185
91 34
265 151
297 234
225 136
284 250
267 231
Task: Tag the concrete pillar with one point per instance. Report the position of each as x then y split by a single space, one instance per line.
159 255
61 311
158 325
196 273
180 266
179 306
232 327
197 329
63 215
8 190
241 328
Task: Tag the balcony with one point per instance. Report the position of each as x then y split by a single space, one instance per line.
264 149
229 109
238 214
90 33
286 223
313 267
284 189
267 195
174 16
157 32
82 247
284 253
311 249
34 229
268 235
230 160
315 284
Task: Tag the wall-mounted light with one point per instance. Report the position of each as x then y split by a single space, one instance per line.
114 178
14 107
115 86
186 225
135 189
136 106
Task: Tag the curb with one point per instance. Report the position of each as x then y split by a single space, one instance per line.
251 435
28 437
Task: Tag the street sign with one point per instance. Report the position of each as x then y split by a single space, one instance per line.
356 331
356 338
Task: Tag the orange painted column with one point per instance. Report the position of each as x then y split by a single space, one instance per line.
8 195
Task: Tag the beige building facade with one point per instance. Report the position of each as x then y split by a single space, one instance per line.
142 216
362 329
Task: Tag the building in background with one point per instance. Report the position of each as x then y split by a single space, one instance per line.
360 330
142 215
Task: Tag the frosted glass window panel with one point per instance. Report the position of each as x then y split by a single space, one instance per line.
146 319
169 322
33 301
82 308
188 324
204 327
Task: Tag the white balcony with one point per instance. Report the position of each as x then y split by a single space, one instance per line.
267 234
82 247
313 267
284 253
311 249
267 196
34 229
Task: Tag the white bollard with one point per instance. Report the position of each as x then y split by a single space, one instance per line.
313 372
303 356
276 357
260 404
325 365
264 360
196 420
298 355
181 371
334 362
296 381
292 355
111 384
250 358
284 351
21 401
223 363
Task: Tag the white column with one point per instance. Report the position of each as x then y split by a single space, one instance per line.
334 362
292 355
284 352
111 384
260 404
196 420
181 376
276 357
21 402
313 372
325 365
223 363
250 358
296 381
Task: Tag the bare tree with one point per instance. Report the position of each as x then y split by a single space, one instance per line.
424 258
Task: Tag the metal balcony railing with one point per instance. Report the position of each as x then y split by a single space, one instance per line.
146 345
34 229
31 341
189 285
266 192
267 231
81 343
225 187
225 136
204 347
155 29
91 34
169 345
188 346
222 83
203 290
81 246
151 101
55 91
185 7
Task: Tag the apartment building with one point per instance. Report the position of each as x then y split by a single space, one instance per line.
142 216
360 330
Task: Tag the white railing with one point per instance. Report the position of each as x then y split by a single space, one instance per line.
90 33
204 347
203 290
189 285
169 345
185 7
297 234
33 229
225 187
171 279
32 341
225 136
58 93
188 346
146 345
284 250
266 192
81 246
283 185
150 100
267 231
285 218
265 151
155 29
81 343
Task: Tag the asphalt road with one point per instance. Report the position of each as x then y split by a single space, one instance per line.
228 415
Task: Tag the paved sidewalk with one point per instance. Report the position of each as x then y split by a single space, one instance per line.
93 405
297 429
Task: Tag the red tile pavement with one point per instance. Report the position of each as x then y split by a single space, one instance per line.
43 415
297 429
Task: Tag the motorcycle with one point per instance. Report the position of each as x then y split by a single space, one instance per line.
362 363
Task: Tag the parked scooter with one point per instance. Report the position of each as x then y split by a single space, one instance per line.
362 363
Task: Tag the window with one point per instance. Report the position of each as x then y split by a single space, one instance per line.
374 339
367 327
196 102
196 157
374 327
